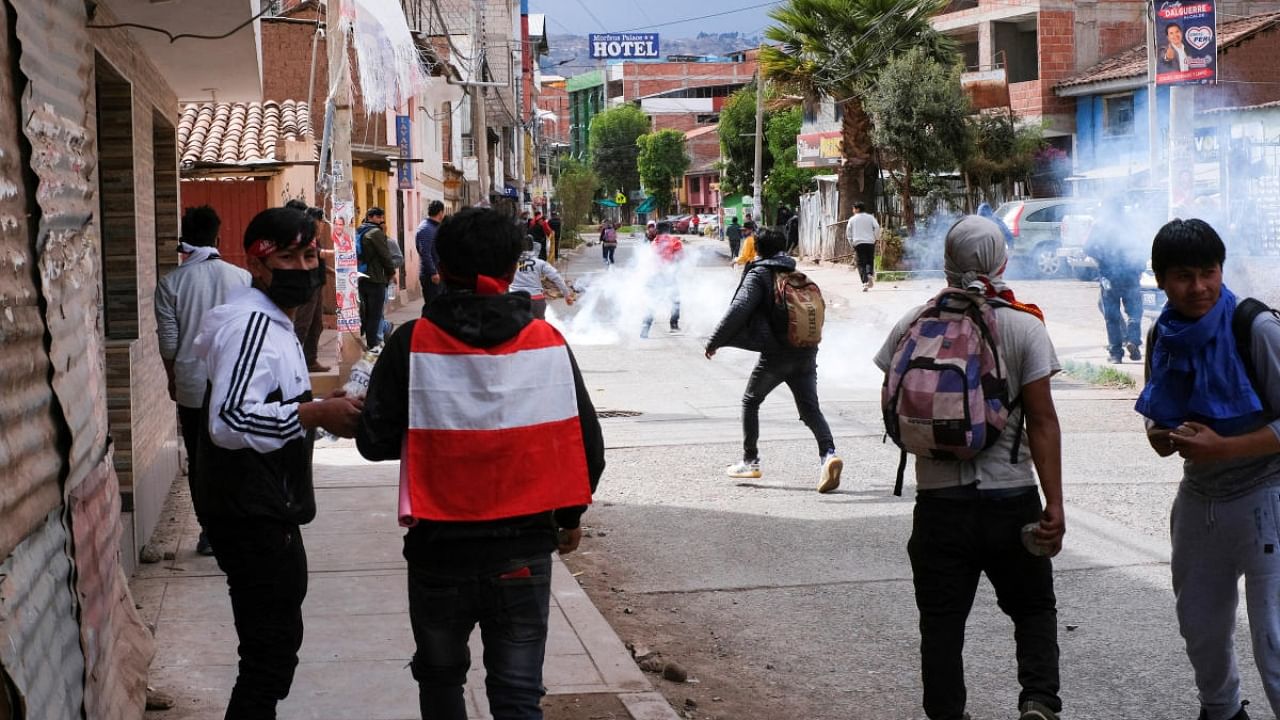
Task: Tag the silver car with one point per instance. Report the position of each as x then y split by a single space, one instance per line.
1036 226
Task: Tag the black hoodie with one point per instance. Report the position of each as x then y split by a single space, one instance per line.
751 321
479 321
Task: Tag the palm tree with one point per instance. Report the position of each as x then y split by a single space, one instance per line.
837 48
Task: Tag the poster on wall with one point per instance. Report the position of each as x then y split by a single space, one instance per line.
345 266
1186 42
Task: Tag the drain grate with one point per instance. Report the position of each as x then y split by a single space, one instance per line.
617 413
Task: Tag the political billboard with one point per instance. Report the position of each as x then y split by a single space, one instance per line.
624 46
1186 42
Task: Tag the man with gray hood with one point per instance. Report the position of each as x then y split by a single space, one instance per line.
752 324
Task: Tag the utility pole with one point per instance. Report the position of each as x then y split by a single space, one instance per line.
1182 139
758 185
1153 106
341 190
479 126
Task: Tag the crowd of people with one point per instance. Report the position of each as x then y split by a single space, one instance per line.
475 385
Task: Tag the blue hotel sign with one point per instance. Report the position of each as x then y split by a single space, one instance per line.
404 170
628 46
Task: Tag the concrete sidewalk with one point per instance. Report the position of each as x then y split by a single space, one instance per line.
358 642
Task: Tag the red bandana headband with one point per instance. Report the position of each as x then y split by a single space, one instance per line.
263 247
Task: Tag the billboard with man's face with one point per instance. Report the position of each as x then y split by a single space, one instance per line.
1186 42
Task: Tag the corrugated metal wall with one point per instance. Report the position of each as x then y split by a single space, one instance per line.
28 435
41 648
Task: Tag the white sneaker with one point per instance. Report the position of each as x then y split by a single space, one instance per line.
744 469
829 479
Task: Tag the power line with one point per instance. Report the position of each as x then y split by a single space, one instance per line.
591 14
704 17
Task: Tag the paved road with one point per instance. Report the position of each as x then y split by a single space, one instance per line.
786 603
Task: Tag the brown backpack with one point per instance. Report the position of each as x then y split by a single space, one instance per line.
801 309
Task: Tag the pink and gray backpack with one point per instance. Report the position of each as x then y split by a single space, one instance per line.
946 395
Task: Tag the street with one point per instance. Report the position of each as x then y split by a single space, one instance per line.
782 602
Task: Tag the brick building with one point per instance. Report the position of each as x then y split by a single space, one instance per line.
1039 43
700 191
679 95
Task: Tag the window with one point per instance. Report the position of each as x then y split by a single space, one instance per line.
1117 115
707 118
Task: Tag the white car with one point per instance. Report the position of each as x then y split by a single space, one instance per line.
708 223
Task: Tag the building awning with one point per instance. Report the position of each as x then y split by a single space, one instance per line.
606 203
1108 172
646 205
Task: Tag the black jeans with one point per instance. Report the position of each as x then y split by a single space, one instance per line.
866 259
373 298
266 567
430 290
510 600
800 372
192 423
955 540
609 251
308 323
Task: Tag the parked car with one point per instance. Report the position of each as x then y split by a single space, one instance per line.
1143 212
708 223
1153 298
679 223
1037 231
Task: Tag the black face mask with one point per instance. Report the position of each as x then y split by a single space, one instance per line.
292 288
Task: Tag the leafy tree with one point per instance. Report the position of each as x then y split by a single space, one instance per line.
613 147
837 48
919 110
737 142
785 182
1001 150
576 189
661 163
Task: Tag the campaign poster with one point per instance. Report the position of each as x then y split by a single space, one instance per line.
345 266
1186 42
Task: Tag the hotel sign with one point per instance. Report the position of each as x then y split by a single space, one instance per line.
627 46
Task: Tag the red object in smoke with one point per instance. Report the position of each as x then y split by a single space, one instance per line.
1015 221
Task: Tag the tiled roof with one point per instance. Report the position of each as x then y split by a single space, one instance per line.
1133 62
240 133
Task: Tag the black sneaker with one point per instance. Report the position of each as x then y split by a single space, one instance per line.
1135 352
202 545
1242 715
1032 710
1115 359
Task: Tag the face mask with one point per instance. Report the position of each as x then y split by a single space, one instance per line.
292 288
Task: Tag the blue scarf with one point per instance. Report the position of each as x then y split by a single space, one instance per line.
1196 373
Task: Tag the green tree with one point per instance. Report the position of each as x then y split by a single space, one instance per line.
785 182
613 147
919 111
837 48
576 189
737 142
661 163
1001 150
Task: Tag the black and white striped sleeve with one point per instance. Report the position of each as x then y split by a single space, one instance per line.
241 371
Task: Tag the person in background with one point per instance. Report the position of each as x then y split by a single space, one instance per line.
733 234
984 210
1213 397
784 215
693 224
425 240
608 242
749 225
541 232
748 254
663 285
555 223
861 231
203 281
308 321
749 325
379 267
254 489
1120 261
792 230
530 272
485 497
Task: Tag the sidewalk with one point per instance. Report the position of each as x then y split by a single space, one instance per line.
358 642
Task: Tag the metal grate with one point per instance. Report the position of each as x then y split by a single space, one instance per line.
617 413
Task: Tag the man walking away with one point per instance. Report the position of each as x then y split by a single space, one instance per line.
972 516
751 323
555 223
530 272
480 534
541 232
1120 266
1213 396
203 281
255 487
861 232
377 264
608 242
792 231
734 235
429 261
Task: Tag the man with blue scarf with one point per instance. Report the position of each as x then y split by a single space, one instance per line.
1202 402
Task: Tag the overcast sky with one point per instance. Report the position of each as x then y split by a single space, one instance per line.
616 15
